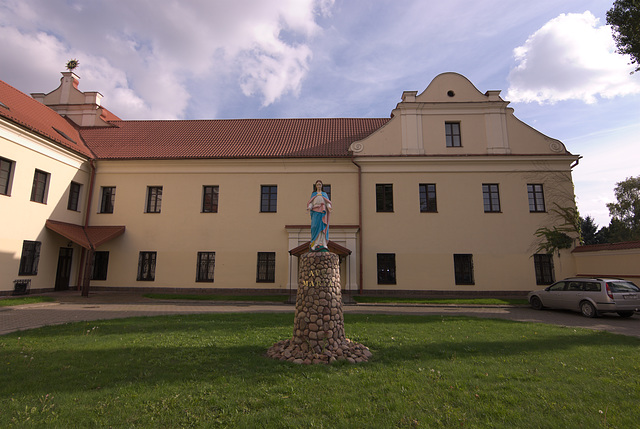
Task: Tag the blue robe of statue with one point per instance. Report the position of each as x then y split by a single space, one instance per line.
318 206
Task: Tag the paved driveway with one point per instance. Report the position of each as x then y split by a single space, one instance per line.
70 307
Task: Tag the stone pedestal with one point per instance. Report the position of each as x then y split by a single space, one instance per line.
318 330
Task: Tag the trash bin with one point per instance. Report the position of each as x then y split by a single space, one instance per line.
21 287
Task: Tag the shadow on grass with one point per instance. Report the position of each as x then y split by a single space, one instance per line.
230 348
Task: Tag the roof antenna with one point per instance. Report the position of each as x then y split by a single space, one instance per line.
72 64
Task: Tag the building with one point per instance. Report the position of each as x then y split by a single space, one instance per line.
443 197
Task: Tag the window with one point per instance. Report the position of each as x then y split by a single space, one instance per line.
6 170
386 268
269 198
210 199
39 188
384 197
99 265
206 264
266 272
154 199
491 197
107 199
543 264
452 132
463 267
74 196
325 188
29 258
536 199
428 198
147 266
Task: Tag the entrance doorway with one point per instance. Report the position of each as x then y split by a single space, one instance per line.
63 275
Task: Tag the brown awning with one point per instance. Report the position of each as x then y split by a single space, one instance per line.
333 248
89 237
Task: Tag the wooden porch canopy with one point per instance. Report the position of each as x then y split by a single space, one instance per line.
89 237
333 248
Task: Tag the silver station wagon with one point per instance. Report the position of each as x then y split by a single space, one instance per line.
590 296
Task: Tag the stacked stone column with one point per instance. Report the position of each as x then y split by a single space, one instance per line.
318 331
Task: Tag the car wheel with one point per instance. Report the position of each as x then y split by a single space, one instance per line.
587 309
536 303
625 313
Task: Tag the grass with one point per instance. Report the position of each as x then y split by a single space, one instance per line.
209 371
474 301
203 297
8 302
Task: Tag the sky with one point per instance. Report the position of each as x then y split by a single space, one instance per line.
554 60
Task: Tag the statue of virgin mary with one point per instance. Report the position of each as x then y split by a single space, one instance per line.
319 207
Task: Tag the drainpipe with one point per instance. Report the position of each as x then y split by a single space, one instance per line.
360 239
83 273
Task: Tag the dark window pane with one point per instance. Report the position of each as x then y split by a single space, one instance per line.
428 201
5 175
206 265
100 265
210 199
463 267
384 197
39 188
544 269
147 266
269 199
108 199
74 196
29 258
266 271
386 268
536 198
491 198
154 199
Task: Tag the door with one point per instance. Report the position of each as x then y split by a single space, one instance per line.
63 275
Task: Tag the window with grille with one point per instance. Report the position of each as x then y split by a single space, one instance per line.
29 258
266 272
463 267
206 265
154 199
210 199
147 266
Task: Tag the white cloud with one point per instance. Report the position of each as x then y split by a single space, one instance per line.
570 57
142 56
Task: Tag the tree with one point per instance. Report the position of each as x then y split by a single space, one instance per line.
559 237
626 211
589 231
624 19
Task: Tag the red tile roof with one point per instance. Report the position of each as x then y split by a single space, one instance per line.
608 246
233 138
23 110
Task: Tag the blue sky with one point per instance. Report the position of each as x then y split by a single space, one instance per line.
200 59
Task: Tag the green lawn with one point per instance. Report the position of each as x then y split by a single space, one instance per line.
209 371
8 302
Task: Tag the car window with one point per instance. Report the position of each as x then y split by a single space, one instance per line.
558 286
575 286
623 286
592 287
